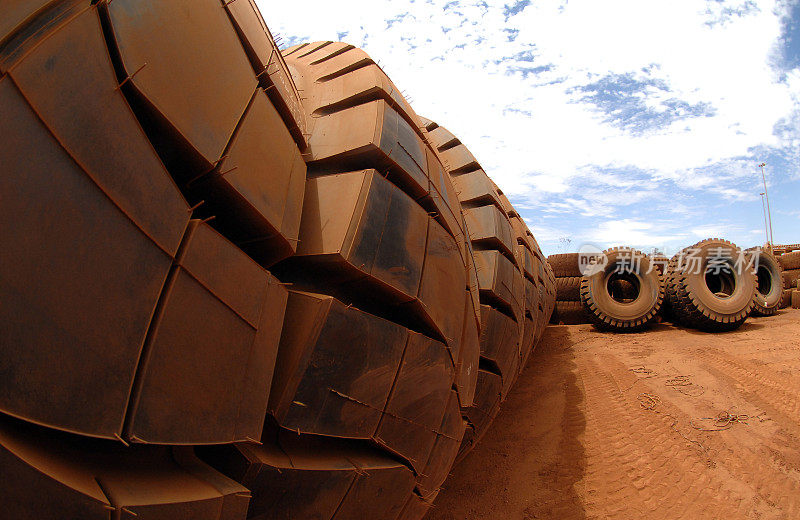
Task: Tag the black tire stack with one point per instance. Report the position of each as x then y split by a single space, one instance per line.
567 273
710 287
622 290
790 263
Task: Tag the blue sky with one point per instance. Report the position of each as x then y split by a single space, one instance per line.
621 122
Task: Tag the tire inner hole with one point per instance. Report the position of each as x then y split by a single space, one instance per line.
720 281
623 287
764 280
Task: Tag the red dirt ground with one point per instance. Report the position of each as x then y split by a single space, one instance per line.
595 428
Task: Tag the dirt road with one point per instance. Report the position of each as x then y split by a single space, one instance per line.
610 426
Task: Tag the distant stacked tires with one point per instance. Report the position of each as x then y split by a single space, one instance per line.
790 263
239 283
620 289
567 272
712 286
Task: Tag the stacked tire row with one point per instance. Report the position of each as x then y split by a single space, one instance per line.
620 289
790 263
567 272
512 283
711 286
236 284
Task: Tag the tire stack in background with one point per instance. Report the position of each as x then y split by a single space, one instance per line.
223 299
567 273
790 262
711 286
712 302
513 285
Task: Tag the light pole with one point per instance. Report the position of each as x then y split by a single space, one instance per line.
764 207
769 212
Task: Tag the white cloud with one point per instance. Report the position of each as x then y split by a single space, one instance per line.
696 94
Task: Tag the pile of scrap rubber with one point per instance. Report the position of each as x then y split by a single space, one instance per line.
239 282
711 286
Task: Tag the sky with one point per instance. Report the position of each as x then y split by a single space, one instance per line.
615 122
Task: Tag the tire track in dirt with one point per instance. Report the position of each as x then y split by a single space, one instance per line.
582 446
774 392
643 465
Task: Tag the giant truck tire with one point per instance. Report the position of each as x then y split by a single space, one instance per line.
568 289
790 278
565 265
625 292
769 283
711 286
515 292
786 298
191 248
790 261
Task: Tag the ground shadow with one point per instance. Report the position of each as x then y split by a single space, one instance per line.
527 465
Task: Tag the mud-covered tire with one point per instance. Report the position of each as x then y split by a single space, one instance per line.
565 265
790 261
790 278
141 326
516 291
176 276
786 298
769 283
795 299
568 289
610 311
569 313
723 301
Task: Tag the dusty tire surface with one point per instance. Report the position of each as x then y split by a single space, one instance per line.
795 299
712 287
515 287
194 249
568 289
565 265
632 308
769 283
790 261
786 298
570 313
790 278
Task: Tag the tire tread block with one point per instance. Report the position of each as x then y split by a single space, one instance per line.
256 190
460 159
498 278
61 476
476 189
313 392
414 411
358 225
481 414
371 135
195 74
315 477
489 226
90 261
442 287
268 64
69 80
211 354
469 359
444 449
499 342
